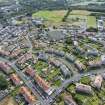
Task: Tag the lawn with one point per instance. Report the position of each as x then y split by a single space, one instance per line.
85 80
40 65
91 20
87 100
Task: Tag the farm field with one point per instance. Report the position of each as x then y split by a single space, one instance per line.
56 17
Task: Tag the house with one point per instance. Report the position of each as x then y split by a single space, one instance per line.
79 65
15 53
98 81
92 52
24 58
79 50
55 63
68 100
94 63
65 71
59 53
3 52
103 59
103 76
70 58
43 84
27 95
42 56
49 51
30 71
83 88
37 22
15 79
75 43
5 67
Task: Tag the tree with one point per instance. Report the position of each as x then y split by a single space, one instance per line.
68 40
3 83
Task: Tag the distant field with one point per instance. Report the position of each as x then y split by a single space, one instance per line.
57 16
80 12
53 16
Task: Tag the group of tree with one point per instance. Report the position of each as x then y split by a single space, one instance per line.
3 82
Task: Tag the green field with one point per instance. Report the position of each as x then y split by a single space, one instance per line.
91 20
53 16
56 16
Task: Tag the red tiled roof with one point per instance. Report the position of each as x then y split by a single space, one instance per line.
42 83
27 95
15 79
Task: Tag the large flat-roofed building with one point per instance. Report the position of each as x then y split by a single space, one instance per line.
83 88
98 81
